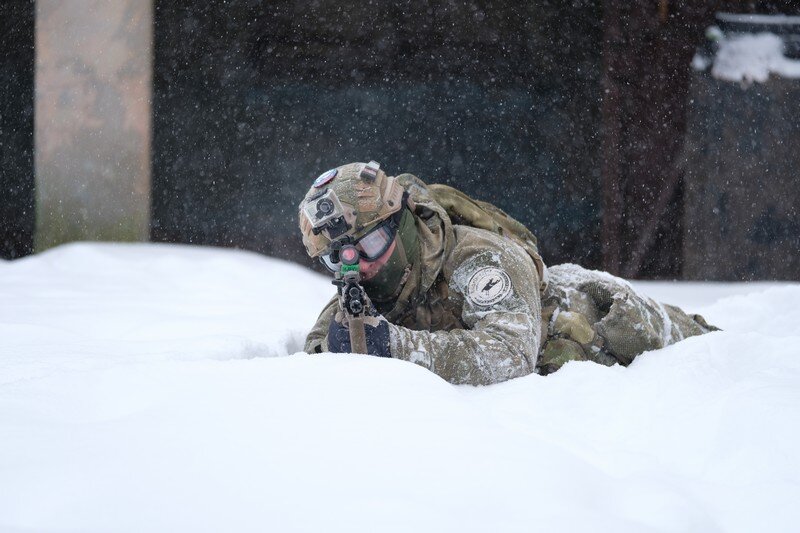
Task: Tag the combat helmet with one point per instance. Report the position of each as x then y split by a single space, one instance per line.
346 203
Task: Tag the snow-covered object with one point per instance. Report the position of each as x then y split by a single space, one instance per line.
142 388
751 58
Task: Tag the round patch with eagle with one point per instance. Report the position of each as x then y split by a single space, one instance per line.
488 286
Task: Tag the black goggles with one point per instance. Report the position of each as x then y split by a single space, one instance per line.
370 246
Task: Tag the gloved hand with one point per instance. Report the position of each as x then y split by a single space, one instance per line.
376 329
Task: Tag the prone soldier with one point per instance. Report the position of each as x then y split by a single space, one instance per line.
457 286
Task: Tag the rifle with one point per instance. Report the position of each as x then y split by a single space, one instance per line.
352 298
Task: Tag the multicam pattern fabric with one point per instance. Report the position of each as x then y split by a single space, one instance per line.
588 315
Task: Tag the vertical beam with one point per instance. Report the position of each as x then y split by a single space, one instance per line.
93 85
611 119
658 97
17 218
647 50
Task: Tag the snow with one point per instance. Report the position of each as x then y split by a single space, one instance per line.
700 63
755 18
752 58
151 388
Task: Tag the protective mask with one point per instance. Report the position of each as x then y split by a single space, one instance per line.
387 282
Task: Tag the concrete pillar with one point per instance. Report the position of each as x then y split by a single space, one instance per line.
92 131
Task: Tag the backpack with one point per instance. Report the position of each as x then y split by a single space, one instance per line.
466 211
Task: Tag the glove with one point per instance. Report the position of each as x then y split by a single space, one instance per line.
376 329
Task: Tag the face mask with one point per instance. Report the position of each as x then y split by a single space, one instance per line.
386 283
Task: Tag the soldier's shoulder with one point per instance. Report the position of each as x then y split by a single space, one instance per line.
471 242
467 237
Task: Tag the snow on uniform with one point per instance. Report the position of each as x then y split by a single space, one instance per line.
592 315
470 309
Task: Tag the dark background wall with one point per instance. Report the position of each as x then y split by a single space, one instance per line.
571 116
253 100
742 155
743 191
17 213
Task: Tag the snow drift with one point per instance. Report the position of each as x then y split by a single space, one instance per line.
156 388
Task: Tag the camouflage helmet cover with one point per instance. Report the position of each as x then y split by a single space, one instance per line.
347 201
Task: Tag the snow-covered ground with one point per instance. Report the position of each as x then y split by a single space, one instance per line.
156 388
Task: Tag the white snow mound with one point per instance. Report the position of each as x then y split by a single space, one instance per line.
142 389
752 58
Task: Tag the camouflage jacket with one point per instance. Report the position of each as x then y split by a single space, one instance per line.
470 308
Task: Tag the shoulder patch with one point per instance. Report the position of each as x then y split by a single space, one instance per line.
488 286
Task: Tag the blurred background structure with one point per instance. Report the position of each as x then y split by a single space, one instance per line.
619 131
92 133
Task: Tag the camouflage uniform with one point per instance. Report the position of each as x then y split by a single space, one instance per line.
471 308
589 315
